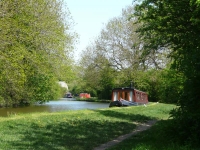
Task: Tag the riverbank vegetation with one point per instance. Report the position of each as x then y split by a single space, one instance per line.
84 129
35 51
92 99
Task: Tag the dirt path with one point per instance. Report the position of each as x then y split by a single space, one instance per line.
139 128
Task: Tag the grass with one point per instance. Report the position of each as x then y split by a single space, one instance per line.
84 129
152 139
92 99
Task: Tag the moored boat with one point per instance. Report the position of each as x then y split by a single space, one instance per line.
128 96
68 95
120 103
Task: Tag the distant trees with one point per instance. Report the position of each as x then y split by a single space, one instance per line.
115 58
35 44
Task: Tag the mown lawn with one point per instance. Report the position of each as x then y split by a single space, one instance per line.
80 130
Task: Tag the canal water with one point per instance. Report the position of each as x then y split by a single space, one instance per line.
63 104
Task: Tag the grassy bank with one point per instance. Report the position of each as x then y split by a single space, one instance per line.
79 130
155 138
92 99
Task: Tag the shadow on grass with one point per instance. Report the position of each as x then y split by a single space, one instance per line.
74 133
77 134
129 115
158 137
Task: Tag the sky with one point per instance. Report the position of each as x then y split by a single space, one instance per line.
90 16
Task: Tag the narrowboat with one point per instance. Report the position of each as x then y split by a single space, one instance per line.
128 96
84 95
68 95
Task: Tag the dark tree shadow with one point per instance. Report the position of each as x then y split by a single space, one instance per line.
76 134
158 137
125 116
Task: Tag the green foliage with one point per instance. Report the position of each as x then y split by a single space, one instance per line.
116 58
148 81
35 44
171 86
175 25
2 101
93 99
161 85
41 88
107 81
146 140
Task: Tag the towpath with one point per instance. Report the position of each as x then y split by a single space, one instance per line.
139 128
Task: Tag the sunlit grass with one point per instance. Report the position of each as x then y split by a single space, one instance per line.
82 129
92 99
156 138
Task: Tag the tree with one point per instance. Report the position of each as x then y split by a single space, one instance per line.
36 43
112 49
118 49
176 25
118 42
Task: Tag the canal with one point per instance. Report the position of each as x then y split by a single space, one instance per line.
63 104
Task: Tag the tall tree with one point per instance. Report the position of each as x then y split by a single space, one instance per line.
176 25
118 49
36 41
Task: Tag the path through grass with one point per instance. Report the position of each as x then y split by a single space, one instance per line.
75 130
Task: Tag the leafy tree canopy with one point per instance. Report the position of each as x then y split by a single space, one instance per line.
176 25
36 45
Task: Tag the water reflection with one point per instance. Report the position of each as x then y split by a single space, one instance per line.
63 104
